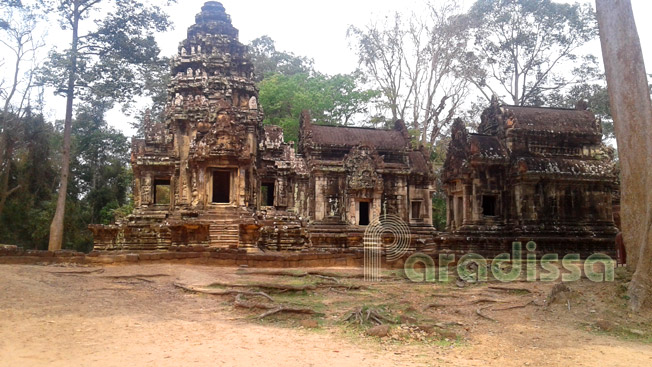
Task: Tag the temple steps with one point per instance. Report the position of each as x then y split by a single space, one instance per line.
224 229
224 235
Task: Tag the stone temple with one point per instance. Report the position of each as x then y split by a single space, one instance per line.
211 175
530 174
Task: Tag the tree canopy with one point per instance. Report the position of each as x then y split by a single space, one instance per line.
522 50
414 63
333 100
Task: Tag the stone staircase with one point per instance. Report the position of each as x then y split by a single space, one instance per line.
224 228
224 234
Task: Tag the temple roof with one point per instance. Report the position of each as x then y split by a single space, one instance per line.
486 146
353 136
418 162
212 19
551 119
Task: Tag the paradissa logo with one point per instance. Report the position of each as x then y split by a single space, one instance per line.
507 268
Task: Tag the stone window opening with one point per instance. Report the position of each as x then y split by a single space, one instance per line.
221 187
267 194
488 205
364 209
162 191
415 212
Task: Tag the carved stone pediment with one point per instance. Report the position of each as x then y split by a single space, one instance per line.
362 164
223 139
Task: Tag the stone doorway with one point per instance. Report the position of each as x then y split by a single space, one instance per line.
267 194
363 217
221 187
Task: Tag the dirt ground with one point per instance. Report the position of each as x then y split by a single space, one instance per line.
77 316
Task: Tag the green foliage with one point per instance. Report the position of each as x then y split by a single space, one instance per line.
288 85
520 45
597 98
269 61
99 186
27 214
439 211
113 60
100 172
332 100
157 78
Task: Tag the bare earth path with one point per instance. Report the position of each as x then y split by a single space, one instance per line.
49 319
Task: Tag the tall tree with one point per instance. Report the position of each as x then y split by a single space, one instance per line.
518 47
103 62
19 40
629 97
100 165
414 64
268 60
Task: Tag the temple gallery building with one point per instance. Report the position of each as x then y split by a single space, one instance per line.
212 175
530 174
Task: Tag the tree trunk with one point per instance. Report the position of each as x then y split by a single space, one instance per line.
632 112
4 174
6 142
56 228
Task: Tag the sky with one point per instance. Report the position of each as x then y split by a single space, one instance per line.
316 29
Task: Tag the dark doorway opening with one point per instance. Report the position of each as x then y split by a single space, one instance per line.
364 213
221 186
489 205
267 194
416 210
162 192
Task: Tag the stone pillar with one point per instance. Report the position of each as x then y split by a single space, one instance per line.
468 204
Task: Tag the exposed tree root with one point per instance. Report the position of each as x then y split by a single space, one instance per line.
444 295
513 307
219 292
315 273
276 310
473 302
339 285
274 286
135 276
557 293
76 272
479 312
509 289
362 315
272 309
326 277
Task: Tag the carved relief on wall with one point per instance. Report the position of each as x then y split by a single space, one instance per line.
156 133
195 191
137 192
333 206
281 195
145 191
253 103
362 164
223 138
